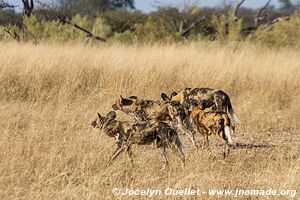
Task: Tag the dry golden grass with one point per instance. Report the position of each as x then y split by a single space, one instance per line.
50 93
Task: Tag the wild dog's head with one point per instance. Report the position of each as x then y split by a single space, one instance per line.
202 105
182 97
176 110
127 105
100 121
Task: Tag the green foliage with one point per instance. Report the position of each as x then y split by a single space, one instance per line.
126 37
154 30
164 26
34 29
86 7
82 22
100 28
10 28
7 17
228 29
51 27
121 21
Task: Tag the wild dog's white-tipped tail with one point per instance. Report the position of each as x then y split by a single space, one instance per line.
227 131
234 115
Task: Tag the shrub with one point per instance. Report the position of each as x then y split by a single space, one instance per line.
33 28
228 29
153 30
126 37
100 28
283 33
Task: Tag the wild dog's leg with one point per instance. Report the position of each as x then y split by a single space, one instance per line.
179 149
185 130
129 154
204 133
154 145
205 144
117 152
224 142
191 134
164 156
218 136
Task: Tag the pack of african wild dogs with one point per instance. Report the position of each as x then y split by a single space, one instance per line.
159 122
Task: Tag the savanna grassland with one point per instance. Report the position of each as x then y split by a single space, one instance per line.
49 94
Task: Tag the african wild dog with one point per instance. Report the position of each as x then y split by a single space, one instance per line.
177 112
143 110
212 98
167 111
141 133
216 123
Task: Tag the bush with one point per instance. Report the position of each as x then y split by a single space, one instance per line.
121 21
153 31
282 34
100 28
164 26
35 30
126 37
227 28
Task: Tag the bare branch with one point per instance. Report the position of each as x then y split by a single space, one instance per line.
263 8
44 5
6 5
237 9
12 34
31 4
278 19
259 16
28 7
63 21
174 23
158 5
187 31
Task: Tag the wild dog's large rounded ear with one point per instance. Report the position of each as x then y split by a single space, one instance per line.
111 115
93 124
165 97
121 100
133 97
99 116
173 94
187 90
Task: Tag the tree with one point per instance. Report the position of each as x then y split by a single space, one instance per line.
286 4
27 7
5 5
72 7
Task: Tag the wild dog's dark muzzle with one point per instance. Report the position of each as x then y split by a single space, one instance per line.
175 121
94 124
180 117
115 107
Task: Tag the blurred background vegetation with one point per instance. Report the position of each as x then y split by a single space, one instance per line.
117 21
